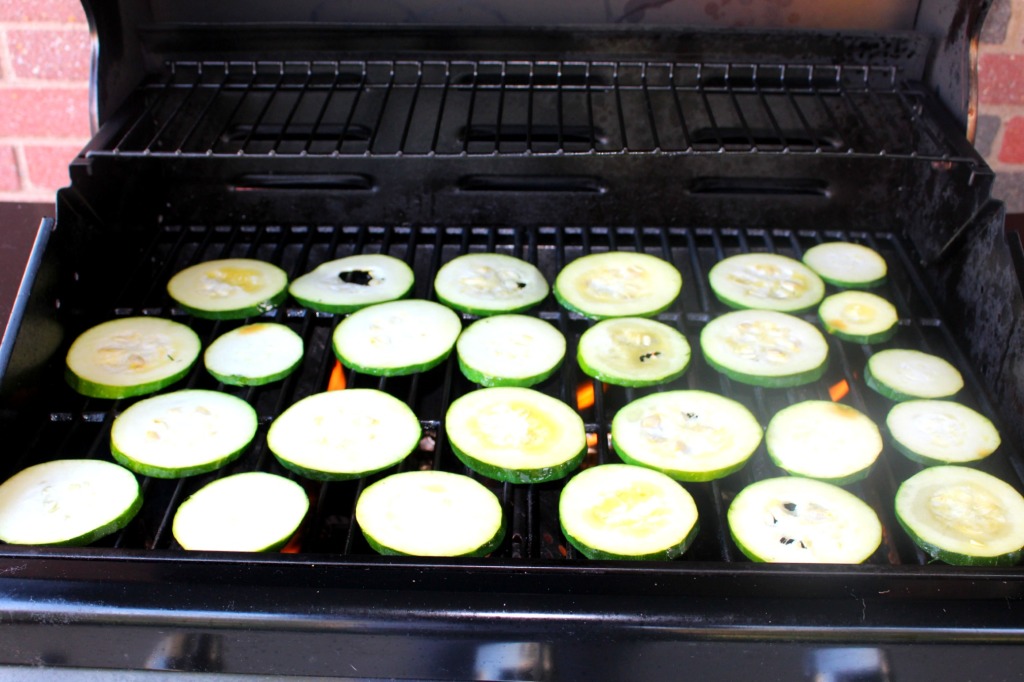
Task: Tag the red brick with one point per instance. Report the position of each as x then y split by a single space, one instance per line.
1001 78
51 55
1012 149
48 165
62 11
9 181
45 112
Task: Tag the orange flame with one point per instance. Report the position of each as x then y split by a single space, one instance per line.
838 391
337 380
591 440
294 545
585 395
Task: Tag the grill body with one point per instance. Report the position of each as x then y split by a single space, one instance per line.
430 142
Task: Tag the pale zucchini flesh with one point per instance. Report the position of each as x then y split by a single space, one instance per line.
130 356
848 265
903 374
489 284
801 520
766 281
229 288
248 512
941 432
254 355
347 284
688 435
430 513
821 439
859 317
633 351
510 350
619 511
618 284
962 516
517 435
69 502
345 434
396 338
765 348
183 433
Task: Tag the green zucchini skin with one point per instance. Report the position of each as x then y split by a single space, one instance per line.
154 471
239 380
489 380
483 550
103 531
787 381
510 475
91 389
256 310
668 554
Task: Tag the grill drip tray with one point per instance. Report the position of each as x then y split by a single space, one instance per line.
70 426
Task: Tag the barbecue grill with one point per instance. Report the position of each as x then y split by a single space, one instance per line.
303 133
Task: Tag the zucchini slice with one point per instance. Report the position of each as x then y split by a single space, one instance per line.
859 317
517 435
346 434
847 265
430 513
347 284
618 284
941 432
396 338
902 374
766 281
820 439
182 433
962 516
254 355
801 520
510 350
130 356
765 348
633 351
489 283
229 289
688 435
248 512
67 502
618 511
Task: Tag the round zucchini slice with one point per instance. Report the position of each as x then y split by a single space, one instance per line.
517 435
859 317
182 433
618 511
962 516
766 281
67 502
347 284
618 284
901 374
820 439
489 284
633 351
254 355
130 356
688 435
941 432
847 265
229 289
765 348
346 434
396 338
248 512
801 520
510 350
430 513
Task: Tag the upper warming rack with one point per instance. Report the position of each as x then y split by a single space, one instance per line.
523 108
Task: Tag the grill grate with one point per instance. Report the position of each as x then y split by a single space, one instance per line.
74 427
453 108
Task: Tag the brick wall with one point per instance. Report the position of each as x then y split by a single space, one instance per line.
44 119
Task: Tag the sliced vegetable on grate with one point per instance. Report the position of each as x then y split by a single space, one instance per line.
618 284
229 289
430 513
510 350
130 356
633 352
620 511
489 284
347 284
766 281
183 433
847 265
67 502
859 317
941 432
904 374
254 355
962 516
